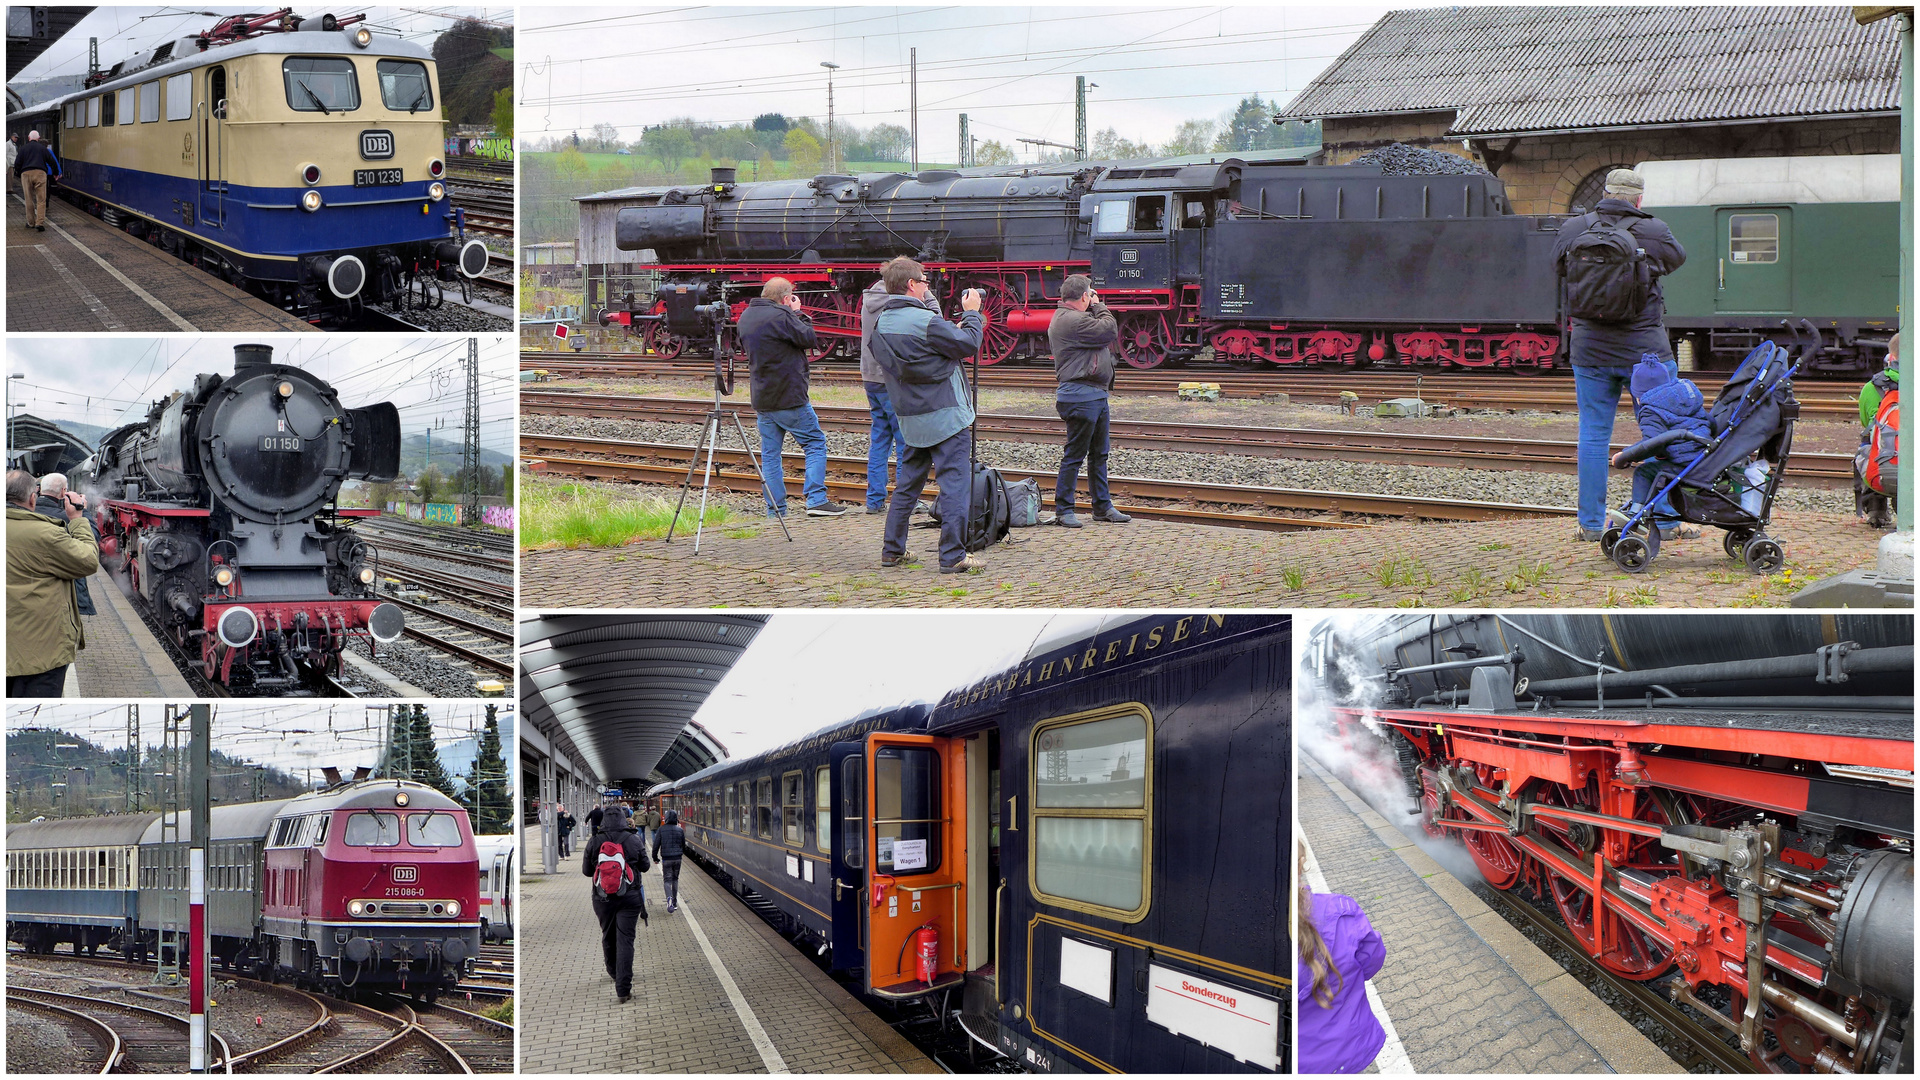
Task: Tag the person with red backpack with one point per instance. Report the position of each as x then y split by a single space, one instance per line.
615 859
1611 262
1877 462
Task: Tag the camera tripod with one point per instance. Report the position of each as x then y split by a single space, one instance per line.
710 442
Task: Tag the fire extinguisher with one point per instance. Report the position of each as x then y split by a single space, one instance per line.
925 940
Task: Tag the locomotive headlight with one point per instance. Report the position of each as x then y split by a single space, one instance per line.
310 174
284 388
366 575
399 798
363 37
436 191
310 201
357 907
223 576
453 908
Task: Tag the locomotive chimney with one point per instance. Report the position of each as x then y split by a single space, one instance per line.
251 356
722 175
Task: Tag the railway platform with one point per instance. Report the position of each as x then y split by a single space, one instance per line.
82 275
1462 991
715 990
836 561
122 658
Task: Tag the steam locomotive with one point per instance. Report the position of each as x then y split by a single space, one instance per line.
221 506
1720 804
1260 261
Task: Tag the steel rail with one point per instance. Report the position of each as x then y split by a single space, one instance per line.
478 659
403 1032
485 631
553 449
221 1057
97 1029
322 1021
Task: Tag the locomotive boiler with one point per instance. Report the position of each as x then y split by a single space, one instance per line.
1720 805
221 505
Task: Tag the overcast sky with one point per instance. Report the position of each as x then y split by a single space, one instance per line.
291 735
1011 69
111 380
806 670
124 31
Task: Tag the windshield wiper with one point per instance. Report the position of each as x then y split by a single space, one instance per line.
417 102
315 97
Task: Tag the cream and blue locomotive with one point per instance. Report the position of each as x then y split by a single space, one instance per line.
300 159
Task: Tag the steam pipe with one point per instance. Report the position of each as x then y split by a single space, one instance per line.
1514 657
1804 666
1806 701
1502 619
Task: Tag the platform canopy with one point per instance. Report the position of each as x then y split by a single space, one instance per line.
624 688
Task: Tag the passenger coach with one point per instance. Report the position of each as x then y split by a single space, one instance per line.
1087 846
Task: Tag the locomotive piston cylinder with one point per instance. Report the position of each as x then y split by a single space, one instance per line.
1873 943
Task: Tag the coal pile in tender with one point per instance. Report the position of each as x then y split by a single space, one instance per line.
1399 159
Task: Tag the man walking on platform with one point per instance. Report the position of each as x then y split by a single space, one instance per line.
37 167
669 847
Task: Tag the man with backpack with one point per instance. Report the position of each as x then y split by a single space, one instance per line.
615 859
1611 262
669 847
920 355
1081 336
1877 461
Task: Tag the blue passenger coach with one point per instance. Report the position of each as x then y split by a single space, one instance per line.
1087 846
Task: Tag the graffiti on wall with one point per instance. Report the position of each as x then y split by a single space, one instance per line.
500 517
496 147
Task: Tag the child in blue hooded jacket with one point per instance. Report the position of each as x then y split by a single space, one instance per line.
1673 428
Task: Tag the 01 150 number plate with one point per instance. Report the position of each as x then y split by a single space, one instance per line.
377 177
282 442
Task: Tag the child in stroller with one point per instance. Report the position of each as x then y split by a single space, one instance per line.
1710 476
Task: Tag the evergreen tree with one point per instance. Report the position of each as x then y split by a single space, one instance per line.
488 785
426 756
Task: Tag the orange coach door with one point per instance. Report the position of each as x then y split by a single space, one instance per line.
918 839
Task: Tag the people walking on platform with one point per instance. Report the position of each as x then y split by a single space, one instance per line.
1339 951
45 556
565 822
615 860
36 167
594 817
669 847
654 821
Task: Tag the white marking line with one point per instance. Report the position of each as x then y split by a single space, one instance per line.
94 304
1392 1059
170 315
769 1055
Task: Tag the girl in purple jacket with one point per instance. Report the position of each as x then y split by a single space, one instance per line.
1339 951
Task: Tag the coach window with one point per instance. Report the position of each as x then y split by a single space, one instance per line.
150 103
107 114
906 810
763 807
93 112
434 828
323 84
1754 238
371 828
1092 777
125 106
180 96
823 808
793 794
853 811
404 86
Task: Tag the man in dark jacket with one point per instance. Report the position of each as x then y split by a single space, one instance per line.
920 354
669 847
617 914
1082 335
37 167
778 336
884 437
566 823
53 503
1603 353
594 817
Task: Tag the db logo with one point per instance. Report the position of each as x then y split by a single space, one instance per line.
1129 256
376 145
406 873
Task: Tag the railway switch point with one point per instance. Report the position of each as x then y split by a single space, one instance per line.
1503 1004
781 1013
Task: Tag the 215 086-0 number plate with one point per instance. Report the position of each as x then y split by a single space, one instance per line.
282 442
377 177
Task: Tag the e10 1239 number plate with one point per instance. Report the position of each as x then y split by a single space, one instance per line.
377 177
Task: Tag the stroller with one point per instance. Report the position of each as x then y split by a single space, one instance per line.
1754 414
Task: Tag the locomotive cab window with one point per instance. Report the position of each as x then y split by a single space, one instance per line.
1090 816
1194 213
1112 216
1150 213
372 828
1753 238
434 828
404 86
906 810
793 795
322 84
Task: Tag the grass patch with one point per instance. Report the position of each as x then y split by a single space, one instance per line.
502 1012
569 515
1294 577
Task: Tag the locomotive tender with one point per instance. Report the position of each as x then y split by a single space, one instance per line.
1260 260
300 159
368 885
1721 803
1049 842
221 506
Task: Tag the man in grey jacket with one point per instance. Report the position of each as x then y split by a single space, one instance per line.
1082 335
885 437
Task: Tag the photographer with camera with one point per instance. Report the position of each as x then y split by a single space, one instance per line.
920 355
777 336
46 556
1081 336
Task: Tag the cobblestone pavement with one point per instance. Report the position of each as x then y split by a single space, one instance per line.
1458 1006
682 1018
836 562
122 658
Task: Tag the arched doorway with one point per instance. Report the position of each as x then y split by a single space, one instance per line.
1592 189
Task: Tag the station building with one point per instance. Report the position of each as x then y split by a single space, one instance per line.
1550 99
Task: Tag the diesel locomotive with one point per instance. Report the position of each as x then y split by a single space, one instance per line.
300 159
1084 849
1722 805
367 885
221 508
1258 261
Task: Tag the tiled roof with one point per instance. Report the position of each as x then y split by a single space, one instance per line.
1516 69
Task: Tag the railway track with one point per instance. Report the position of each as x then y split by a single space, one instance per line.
150 1040
666 463
1534 455
102 1035
1819 399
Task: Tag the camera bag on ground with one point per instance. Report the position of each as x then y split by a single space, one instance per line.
1023 503
987 510
1608 279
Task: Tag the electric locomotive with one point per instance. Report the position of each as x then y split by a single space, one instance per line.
1048 845
221 507
300 159
1720 804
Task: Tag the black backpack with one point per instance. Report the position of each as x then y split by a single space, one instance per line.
989 514
1608 279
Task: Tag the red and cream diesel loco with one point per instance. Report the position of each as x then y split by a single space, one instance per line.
1721 804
